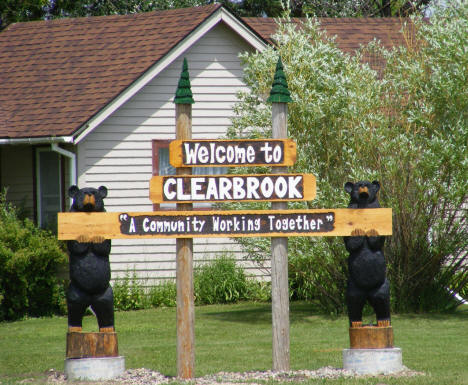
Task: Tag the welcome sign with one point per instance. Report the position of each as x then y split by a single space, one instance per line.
224 188
242 152
228 224
209 224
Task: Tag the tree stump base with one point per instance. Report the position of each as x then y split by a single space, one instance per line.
371 337
91 345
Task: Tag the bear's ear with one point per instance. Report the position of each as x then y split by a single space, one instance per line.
72 191
102 191
349 187
376 185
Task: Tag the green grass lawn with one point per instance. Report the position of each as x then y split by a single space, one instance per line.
238 338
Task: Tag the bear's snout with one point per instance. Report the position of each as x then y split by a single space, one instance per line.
363 192
89 202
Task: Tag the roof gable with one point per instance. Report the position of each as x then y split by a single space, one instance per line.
57 75
62 78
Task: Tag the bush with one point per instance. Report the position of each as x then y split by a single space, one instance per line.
30 259
424 161
163 294
220 281
408 129
129 293
332 95
258 291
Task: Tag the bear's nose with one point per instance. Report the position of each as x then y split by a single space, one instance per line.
363 189
89 200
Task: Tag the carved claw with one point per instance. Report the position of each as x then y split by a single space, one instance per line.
358 233
109 329
74 329
82 238
356 324
383 323
98 239
372 233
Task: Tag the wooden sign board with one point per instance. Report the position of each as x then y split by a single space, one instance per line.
231 153
228 188
210 224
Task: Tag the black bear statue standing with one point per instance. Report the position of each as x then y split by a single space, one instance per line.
89 267
366 263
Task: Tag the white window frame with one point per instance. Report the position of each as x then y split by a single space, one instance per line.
158 144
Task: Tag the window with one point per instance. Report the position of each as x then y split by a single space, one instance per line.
49 197
161 166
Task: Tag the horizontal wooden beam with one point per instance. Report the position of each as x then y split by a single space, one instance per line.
229 188
209 224
232 153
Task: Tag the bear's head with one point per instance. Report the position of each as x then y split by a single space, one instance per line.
363 193
87 199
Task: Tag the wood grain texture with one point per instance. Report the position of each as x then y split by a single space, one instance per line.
371 337
73 225
176 157
184 268
279 262
84 345
157 183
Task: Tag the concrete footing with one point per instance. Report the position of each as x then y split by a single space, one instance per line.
373 361
94 369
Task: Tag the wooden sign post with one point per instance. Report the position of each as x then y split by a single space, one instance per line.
184 246
186 224
279 97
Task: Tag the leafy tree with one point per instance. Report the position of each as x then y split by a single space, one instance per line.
408 129
425 101
328 8
13 11
357 8
79 8
255 8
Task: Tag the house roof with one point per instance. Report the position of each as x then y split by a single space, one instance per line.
350 33
61 78
55 75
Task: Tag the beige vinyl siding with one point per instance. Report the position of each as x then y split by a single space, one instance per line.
118 153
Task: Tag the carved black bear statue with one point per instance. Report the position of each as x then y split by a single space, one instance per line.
366 263
89 267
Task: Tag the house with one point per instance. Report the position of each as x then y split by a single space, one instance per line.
88 101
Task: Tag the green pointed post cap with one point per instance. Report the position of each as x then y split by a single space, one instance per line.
279 91
184 92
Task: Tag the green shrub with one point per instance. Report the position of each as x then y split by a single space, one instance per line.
318 279
408 129
163 295
332 94
30 259
220 281
258 291
129 293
